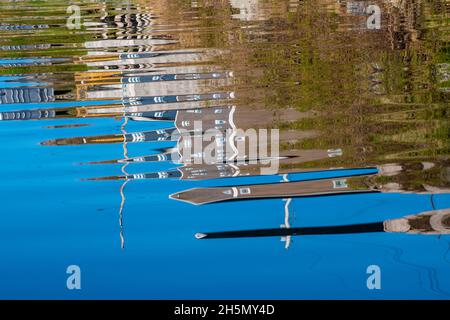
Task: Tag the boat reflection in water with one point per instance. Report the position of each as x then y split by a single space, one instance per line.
435 222
366 182
135 70
141 126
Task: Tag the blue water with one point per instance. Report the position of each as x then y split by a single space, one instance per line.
54 220
53 216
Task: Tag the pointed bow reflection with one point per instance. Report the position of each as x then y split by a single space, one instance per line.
427 223
321 187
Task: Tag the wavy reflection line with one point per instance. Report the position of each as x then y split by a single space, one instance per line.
447 252
122 187
429 271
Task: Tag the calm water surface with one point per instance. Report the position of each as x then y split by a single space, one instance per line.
89 123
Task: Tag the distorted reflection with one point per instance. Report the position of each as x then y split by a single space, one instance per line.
197 100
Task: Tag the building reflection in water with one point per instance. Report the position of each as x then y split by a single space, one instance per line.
140 67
